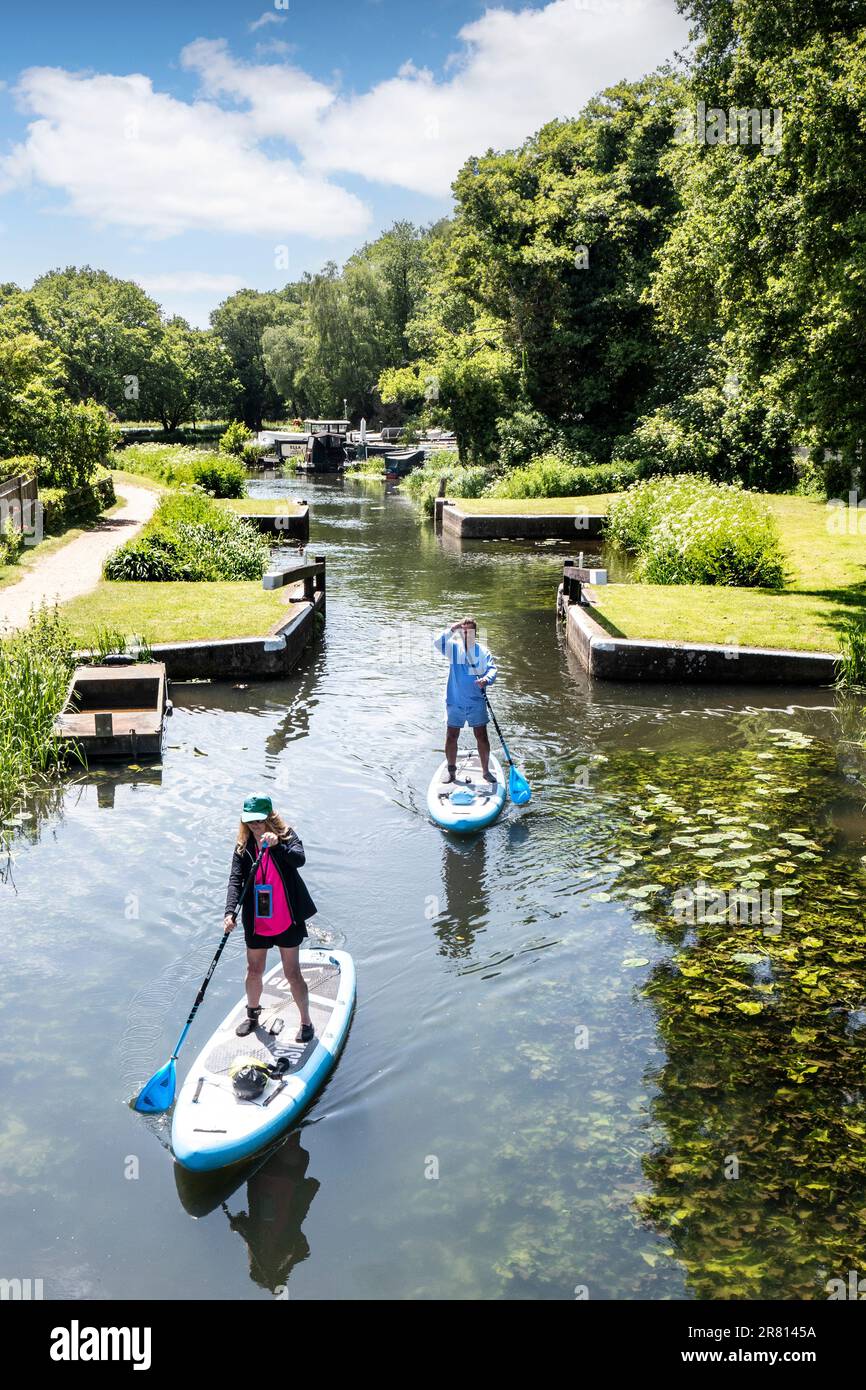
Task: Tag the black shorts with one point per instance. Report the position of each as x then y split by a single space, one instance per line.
292 936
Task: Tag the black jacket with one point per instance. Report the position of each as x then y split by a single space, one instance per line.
288 855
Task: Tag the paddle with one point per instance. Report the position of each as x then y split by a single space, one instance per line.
157 1095
518 788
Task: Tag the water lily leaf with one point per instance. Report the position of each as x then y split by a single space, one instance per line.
749 1006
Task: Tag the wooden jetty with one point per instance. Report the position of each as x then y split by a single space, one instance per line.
115 711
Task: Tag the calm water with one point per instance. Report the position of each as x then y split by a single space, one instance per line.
534 1095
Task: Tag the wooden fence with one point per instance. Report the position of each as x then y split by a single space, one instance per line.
18 498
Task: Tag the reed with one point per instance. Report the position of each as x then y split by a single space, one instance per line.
851 670
35 667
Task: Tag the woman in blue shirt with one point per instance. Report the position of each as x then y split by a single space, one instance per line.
472 670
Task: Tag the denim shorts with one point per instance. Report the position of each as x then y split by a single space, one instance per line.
473 715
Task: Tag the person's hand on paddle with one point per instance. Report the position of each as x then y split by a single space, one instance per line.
229 922
482 683
268 840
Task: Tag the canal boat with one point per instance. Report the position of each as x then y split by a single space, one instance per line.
469 803
401 463
212 1127
115 711
325 453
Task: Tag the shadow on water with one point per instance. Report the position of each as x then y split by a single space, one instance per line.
279 1194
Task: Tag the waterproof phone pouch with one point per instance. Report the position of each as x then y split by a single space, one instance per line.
264 902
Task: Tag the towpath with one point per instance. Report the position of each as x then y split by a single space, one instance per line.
77 567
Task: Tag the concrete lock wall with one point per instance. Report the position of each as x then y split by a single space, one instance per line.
295 527
629 659
516 525
273 656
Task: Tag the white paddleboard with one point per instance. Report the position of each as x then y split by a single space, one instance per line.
211 1127
469 803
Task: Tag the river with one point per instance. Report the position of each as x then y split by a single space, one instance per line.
540 1097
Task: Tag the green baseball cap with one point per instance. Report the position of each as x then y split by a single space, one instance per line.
257 808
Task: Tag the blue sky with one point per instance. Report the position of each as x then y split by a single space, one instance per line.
197 147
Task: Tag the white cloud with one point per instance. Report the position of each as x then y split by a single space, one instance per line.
278 46
129 156
266 17
517 70
187 282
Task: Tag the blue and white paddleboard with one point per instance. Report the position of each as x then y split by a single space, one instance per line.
211 1127
469 803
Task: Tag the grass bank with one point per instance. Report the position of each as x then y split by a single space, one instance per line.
535 506
261 506
177 612
825 588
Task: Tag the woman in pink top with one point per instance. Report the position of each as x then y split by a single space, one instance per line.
274 903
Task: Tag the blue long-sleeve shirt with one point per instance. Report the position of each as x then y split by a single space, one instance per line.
462 692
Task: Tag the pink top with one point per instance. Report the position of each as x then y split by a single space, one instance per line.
271 912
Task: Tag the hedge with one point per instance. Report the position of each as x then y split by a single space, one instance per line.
65 507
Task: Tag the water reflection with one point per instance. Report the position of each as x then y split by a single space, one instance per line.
279 1195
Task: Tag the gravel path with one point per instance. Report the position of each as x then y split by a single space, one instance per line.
77 567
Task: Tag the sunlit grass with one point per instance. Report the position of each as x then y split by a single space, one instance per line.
177 612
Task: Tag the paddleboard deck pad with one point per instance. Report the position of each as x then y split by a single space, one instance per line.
211 1126
469 803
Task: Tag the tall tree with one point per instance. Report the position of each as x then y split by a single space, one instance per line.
767 260
240 322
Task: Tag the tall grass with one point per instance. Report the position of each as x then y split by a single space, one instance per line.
176 465
35 668
422 484
851 670
689 530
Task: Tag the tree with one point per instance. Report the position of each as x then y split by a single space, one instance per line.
36 416
240 322
190 375
556 241
106 330
766 264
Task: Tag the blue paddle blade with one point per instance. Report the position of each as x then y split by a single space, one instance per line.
157 1096
518 788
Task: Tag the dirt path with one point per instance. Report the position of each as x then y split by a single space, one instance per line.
77 567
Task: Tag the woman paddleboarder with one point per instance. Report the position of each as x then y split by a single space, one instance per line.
275 907
472 671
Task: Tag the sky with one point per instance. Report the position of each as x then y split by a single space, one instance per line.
201 147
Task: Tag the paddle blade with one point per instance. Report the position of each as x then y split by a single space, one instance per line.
518 788
158 1095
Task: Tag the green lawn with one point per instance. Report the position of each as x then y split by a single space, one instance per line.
535 506
826 584
262 506
177 612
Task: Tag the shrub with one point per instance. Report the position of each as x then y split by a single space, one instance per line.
22 465
75 441
525 435
254 453
235 438
223 477
727 436
64 507
422 484
190 537
690 530
11 543
551 476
